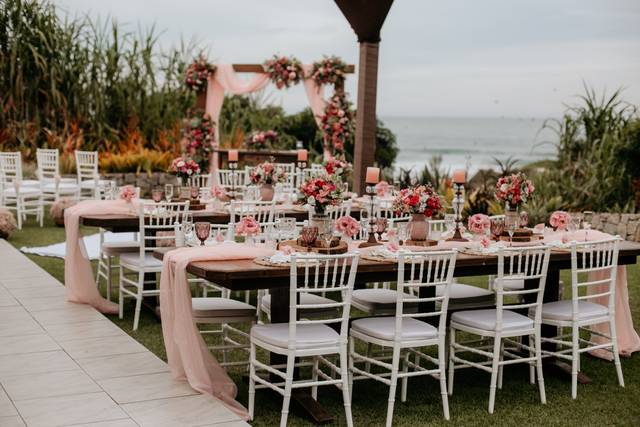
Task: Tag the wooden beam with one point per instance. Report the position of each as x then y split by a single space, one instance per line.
365 143
257 68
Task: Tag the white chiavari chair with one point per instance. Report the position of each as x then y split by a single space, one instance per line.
53 186
201 181
156 225
406 333
593 266
233 180
338 211
89 182
109 252
290 170
503 324
304 175
332 275
14 195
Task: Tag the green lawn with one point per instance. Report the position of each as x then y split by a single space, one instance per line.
599 403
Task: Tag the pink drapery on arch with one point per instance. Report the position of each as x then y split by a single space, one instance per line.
225 79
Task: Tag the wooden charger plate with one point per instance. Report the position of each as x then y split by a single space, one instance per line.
339 248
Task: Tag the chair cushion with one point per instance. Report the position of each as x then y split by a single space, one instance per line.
30 183
133 259
90 184
486 319
307 336
63 187
460 290
380 301
114 248
305 298
24 191
385 328
561 310
221 307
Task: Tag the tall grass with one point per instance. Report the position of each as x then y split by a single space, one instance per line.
57 74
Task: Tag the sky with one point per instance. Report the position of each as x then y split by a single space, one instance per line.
473 58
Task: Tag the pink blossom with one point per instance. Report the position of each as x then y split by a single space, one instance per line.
392 246
127 193
218 192
382 188
248 226
348 226
560 220
287 250
485 242
479 223
219 237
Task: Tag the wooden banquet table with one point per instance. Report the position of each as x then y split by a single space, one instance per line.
240 275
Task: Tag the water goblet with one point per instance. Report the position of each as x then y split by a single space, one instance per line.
587 218
308 235
497 227
511 224
203 229
450 222
194 192
524 219
156 195
168 192
381 226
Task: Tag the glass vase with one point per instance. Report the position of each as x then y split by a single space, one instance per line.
418 227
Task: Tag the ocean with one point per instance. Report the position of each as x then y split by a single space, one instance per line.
469 143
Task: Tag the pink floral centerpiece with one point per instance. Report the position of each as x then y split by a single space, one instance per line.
338 168
420 202
184 167
337 123
514 189
283 72
260 140
321 192
197 74
560 220
348 226
199 137
248 227
218 192
479 224
128 193
266 175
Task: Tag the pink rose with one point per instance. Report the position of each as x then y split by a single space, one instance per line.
382 188
392 247
219 237
479 223
248 226
348 226
559 220
127 193
218 192
287 250
485 242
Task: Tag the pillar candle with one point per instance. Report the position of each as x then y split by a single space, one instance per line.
459 176
233 155
373 175
302 155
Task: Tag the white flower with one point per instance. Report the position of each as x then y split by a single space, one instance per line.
181 164
311 200
504 187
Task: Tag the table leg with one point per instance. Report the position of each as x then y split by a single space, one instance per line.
280 314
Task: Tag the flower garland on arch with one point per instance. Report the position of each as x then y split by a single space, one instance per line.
330 70
337 123
199 136
283 71
198 73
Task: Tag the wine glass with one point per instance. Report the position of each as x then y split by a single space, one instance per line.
194 192
450 222
574 224
524 219
202 231
308 235
381 226
587 218
187 224
511 224
168 192
403 232
156 195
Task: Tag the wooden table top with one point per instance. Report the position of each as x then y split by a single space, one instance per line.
247 275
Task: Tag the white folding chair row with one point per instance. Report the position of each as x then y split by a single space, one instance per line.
332 275
53 186
503 324
154 218
593 268
15 194
201 181
405 333
232 180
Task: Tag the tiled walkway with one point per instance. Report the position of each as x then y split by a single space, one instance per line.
64 364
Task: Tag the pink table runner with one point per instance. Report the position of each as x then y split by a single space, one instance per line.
78 274
187 354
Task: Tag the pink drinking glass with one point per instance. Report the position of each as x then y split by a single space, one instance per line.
157 194
202 231
309 235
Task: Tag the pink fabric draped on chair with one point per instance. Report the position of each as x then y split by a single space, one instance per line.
78 274
225 79
187 354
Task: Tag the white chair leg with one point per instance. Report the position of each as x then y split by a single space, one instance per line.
494 372
314 377
109 269
575 345
252 383
367 365
19 214
225 352
395 364
501 366
136 315
538 344
452 353
532 365
287 390
443 377
121 294
346 394
350 360
616 355
403 386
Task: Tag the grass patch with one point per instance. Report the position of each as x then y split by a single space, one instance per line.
599 403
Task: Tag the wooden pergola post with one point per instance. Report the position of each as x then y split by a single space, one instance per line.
366 18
